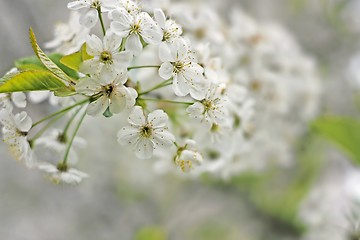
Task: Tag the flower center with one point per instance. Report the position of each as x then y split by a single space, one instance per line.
106 57
208 105
146 131
108 89
178 67
96 4
135 28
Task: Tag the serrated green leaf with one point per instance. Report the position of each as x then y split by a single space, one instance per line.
344 132
73 61
65 92
33 63
50 65
32 80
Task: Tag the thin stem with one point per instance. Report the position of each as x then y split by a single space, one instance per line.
161 85
73 137
165 100
41 132
101 20
145 66
70 121
123 42
60 112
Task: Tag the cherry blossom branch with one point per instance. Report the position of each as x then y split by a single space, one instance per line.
72 138
165 100
161 85
60 112
146 66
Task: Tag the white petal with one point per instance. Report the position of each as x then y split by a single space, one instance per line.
166 70
198 90
98 107
38 96
112 42
163 138
158 118
180 87
118 100
120 15
160 17
120 29
90 19
76 5
23 121
137 117
196 110
165 52
94 45
88 86
19 99
144 148
91 66
133 44
179 49
128 135
107 75
122 60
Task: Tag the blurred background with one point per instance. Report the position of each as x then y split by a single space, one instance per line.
314 199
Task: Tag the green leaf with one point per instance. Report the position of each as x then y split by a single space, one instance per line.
73 61
50 65
344 132
32 80
65 91
33 63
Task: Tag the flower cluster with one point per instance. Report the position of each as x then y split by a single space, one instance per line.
199 94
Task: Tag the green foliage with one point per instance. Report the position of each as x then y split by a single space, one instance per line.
33 63
32 80
344 132
151 233
48 63
73 61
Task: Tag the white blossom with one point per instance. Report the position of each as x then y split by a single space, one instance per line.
15 130
171 30
109 91
134 28
88 10
188 156
106 54
211 110
146 133
179 64
56 141
62 174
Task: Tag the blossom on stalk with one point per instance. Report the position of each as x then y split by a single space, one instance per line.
134 28
62 173
187 156
8 99
107 56
180 65
57 141
108 91
146 133
15 130
130 6
171 30
210 110
89 11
